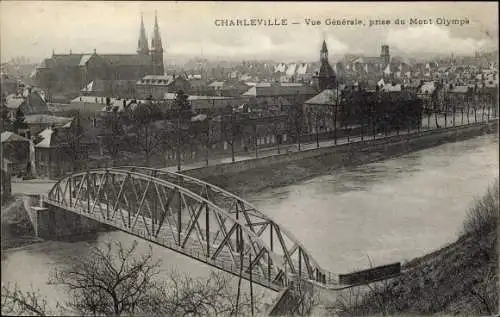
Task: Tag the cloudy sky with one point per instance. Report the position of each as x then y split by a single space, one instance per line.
34 29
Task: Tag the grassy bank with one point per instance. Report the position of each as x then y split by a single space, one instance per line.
259 179
460 279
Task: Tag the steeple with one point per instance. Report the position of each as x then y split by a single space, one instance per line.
326 78
156 44
142 44
157 50
324 53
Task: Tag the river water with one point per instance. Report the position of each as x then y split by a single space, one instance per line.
388 211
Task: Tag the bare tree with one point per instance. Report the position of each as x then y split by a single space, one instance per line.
113 135
486 293
230 128
71 141
307 298
348 302
114 280
182 295
149 136
182 112
109 281
17 302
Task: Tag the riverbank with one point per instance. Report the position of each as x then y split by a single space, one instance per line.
276 172
17 229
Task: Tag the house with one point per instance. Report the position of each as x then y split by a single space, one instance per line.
227 88
294 94
16 149
320 110
31 103
209 104
56 155
156 86
6 181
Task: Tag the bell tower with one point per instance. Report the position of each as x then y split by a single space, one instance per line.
325 78
157 50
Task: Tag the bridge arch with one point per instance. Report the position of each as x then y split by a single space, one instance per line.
297 259
191 217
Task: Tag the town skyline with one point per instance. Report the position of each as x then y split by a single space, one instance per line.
188 29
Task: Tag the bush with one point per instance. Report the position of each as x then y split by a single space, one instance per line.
483 215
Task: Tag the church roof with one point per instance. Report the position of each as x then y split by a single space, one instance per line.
85 59
126 59
68 60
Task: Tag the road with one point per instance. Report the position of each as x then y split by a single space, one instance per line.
40 186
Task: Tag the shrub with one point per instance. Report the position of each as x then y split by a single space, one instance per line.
483 215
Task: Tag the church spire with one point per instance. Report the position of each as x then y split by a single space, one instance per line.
142 44
156 44
157 50
326 75
324 52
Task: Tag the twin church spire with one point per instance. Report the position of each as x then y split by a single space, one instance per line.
156 44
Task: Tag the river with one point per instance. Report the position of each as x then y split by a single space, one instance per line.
388 211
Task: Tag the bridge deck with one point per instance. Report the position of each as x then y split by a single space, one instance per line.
182 214
224 260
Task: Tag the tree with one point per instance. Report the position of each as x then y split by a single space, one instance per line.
6 123
275 128
296 122
149 136
113 135
70 141
182 295
230 128
115 280
200 131
17 302
111 280
182 113
19 121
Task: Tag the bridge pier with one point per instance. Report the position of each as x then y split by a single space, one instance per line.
52 223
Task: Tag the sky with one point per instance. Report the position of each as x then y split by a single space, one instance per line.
35 28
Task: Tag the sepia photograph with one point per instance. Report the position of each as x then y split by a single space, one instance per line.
203 158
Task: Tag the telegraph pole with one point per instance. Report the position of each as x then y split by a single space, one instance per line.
316 115
251 282
178 147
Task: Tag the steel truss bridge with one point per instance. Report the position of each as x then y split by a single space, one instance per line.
194 218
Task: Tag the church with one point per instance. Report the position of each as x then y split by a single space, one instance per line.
70 74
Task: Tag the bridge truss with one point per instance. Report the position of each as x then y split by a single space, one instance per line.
194 218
